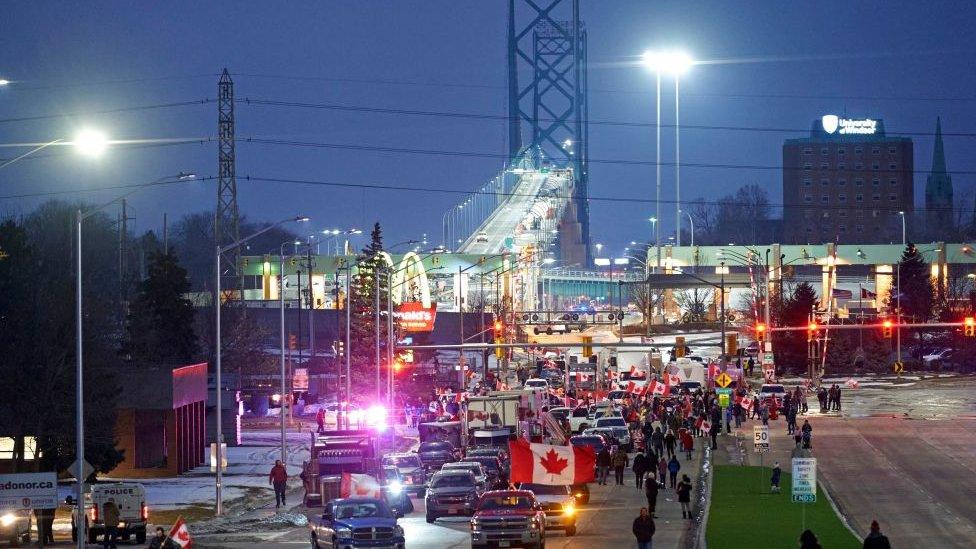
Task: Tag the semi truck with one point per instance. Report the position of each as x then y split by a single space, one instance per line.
332 453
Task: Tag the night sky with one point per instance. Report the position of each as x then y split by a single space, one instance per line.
771 65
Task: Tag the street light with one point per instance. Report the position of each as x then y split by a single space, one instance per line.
904 244
220 431
91 142
4 82
80 217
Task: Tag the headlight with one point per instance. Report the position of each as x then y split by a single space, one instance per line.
396 487
343 533
569 509
8 519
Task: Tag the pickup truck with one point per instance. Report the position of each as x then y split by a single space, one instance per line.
508 518
558 503
435 453
354 523
411 471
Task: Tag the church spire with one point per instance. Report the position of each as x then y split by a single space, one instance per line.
938 153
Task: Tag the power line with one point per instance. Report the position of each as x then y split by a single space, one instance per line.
127 146
505 118
609 199
105 111
625 162
760 96
62 192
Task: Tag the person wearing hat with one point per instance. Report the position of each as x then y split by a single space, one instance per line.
876 540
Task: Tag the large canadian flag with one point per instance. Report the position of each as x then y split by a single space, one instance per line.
658 388
553 465
180 534
355 485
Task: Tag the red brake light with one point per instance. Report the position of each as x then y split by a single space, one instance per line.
144 511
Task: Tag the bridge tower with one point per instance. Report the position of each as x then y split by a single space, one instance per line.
548 112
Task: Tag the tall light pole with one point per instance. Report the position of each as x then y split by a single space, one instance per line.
904 244
657 248
219 507
675 63
691 222
80 217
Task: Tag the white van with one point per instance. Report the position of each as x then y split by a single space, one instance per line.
130 498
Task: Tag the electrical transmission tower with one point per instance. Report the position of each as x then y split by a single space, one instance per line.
225 223
547 40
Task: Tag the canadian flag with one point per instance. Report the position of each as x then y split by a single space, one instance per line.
552 465
658 388
746 403
672 379
355 485
713 370
631 386
180 534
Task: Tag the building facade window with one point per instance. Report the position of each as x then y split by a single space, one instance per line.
824 182
807 150
807 182
893 182
859 197
892 150
892 166
841 182
893 197
807 166
842 198
876 198
875 150
875 166
823 151
859 228
859 182
842 166
824 199
859 166
824 166
876 182
808 198
858 150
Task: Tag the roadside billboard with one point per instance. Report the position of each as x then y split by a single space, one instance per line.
412 316
29 491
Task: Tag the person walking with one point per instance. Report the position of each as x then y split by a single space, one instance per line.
320 420
620 462
45 525
809 541
673 468
687 442
644 529
657 441
278 478
651 489
684 496
603 466
775 478
876 540
669 443
807 431
110 519
662 471
640 469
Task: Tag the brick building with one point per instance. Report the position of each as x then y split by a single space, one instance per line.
846 183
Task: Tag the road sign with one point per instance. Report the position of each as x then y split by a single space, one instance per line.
86 469
299 380
767 359
804 480
723 401
760 437
29 491
723 380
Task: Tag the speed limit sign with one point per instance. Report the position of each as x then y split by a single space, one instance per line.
760 435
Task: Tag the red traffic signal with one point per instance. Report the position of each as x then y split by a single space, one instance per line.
760 332
886 327
969 326
499 327
812 330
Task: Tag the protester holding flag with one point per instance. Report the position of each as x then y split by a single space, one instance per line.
179 536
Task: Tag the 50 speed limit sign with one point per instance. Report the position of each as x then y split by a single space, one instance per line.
760 435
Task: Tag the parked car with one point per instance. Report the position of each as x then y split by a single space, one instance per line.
473 467
934 358
392 485
770 391
15 527
536 383
512 518
558 503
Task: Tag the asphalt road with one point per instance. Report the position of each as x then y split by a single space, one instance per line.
604 523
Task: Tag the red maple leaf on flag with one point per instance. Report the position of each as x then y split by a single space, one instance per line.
183 535
552 463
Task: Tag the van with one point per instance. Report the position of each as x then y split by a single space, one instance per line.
130 498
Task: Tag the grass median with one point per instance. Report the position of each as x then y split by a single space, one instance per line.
743 513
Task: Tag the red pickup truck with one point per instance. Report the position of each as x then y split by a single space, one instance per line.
508 518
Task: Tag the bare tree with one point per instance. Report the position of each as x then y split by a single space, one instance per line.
694 303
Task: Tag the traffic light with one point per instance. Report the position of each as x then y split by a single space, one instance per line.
886 327
969 326
679 347
731 344
812 330
499 328
760 333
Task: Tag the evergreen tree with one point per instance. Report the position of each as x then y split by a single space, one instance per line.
160 323
369 263
791 347
915 285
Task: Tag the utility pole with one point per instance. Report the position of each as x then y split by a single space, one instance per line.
226 229
311 308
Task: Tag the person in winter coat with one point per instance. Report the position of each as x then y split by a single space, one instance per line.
640 469
809 541
603 466
651 489
644 529
278 478
673 468
662 471
876 540
110 518
687 442
669 442
774 479
620 462
320 420
160 540
684 496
